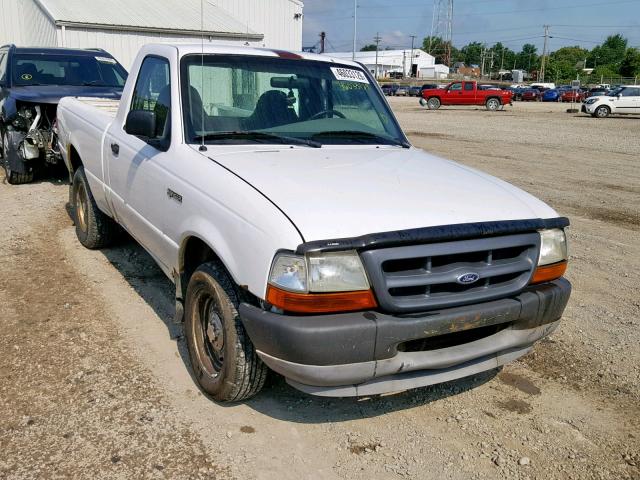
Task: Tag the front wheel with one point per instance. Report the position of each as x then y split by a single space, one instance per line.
14 178
433 103
602 112
224 361
493 104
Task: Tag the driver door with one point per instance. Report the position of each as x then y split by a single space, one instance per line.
454 94
137 178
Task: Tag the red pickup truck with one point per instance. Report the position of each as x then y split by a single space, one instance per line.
466 93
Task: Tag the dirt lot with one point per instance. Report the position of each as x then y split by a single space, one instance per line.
95 381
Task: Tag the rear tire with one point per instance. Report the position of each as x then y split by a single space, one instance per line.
14 178
433 103
94 229
493 104
224 361
602 112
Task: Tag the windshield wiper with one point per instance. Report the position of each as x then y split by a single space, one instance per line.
250 135
94 83
358 134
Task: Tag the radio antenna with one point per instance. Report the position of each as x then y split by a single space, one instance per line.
202 148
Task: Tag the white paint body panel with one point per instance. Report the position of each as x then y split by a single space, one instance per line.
248 202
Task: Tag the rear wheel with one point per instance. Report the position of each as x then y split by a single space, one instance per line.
224 361
14 178
602 112
94 229
433 103
493 104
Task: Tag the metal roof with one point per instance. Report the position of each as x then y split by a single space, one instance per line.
168 16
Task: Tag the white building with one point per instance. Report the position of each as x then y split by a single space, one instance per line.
122 26
397 61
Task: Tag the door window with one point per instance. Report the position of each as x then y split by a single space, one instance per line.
153 93
631 92
3 66
468 86
456 86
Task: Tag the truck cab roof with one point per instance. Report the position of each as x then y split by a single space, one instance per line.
196 48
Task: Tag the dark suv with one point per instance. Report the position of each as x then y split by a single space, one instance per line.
32 81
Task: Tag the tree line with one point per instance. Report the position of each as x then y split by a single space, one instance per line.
614 57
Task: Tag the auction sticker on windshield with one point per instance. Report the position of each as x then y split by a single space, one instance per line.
349 75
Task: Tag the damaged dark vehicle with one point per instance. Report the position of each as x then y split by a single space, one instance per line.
32 82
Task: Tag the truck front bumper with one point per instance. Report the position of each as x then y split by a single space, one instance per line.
368 353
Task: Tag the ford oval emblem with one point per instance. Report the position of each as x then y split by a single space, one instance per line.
468 278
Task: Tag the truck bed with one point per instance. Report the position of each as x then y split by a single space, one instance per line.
106 105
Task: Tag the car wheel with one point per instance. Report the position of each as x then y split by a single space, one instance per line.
493 104
94 229
224 361
602 111
14 178
433 103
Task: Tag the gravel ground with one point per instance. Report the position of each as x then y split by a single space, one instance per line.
96 383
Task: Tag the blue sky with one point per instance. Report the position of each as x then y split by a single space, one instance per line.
513 22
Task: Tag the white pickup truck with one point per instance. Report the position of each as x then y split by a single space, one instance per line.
302 230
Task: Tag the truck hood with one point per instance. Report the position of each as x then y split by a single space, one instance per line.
53 93
339 192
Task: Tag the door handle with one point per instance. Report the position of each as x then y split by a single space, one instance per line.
115 148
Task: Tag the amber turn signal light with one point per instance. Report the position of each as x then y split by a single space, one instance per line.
320 302
546 273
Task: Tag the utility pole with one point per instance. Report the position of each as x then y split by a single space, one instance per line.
404 63
323 36
377 39
544 54
413 37
482 55
355 28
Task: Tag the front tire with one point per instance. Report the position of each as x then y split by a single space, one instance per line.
602 112
224 361
14 178
433 103
94 229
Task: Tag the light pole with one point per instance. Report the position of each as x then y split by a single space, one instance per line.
413 37
355 28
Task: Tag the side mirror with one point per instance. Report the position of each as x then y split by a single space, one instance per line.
141 123
619 96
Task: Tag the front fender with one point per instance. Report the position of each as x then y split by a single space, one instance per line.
245 250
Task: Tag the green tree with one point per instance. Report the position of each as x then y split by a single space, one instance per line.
471 54
610 53
630 66
503 57
527 59
437 47
369 48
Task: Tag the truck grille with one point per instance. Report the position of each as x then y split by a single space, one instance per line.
425 277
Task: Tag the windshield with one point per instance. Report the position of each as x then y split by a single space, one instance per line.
77 70
228 99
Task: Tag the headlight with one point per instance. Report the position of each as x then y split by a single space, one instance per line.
319 283
552 261
592 100
321 272
26 112
553 247
289 272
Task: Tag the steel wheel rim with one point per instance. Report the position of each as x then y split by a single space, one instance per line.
493 104
81 207
209 336
602 112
